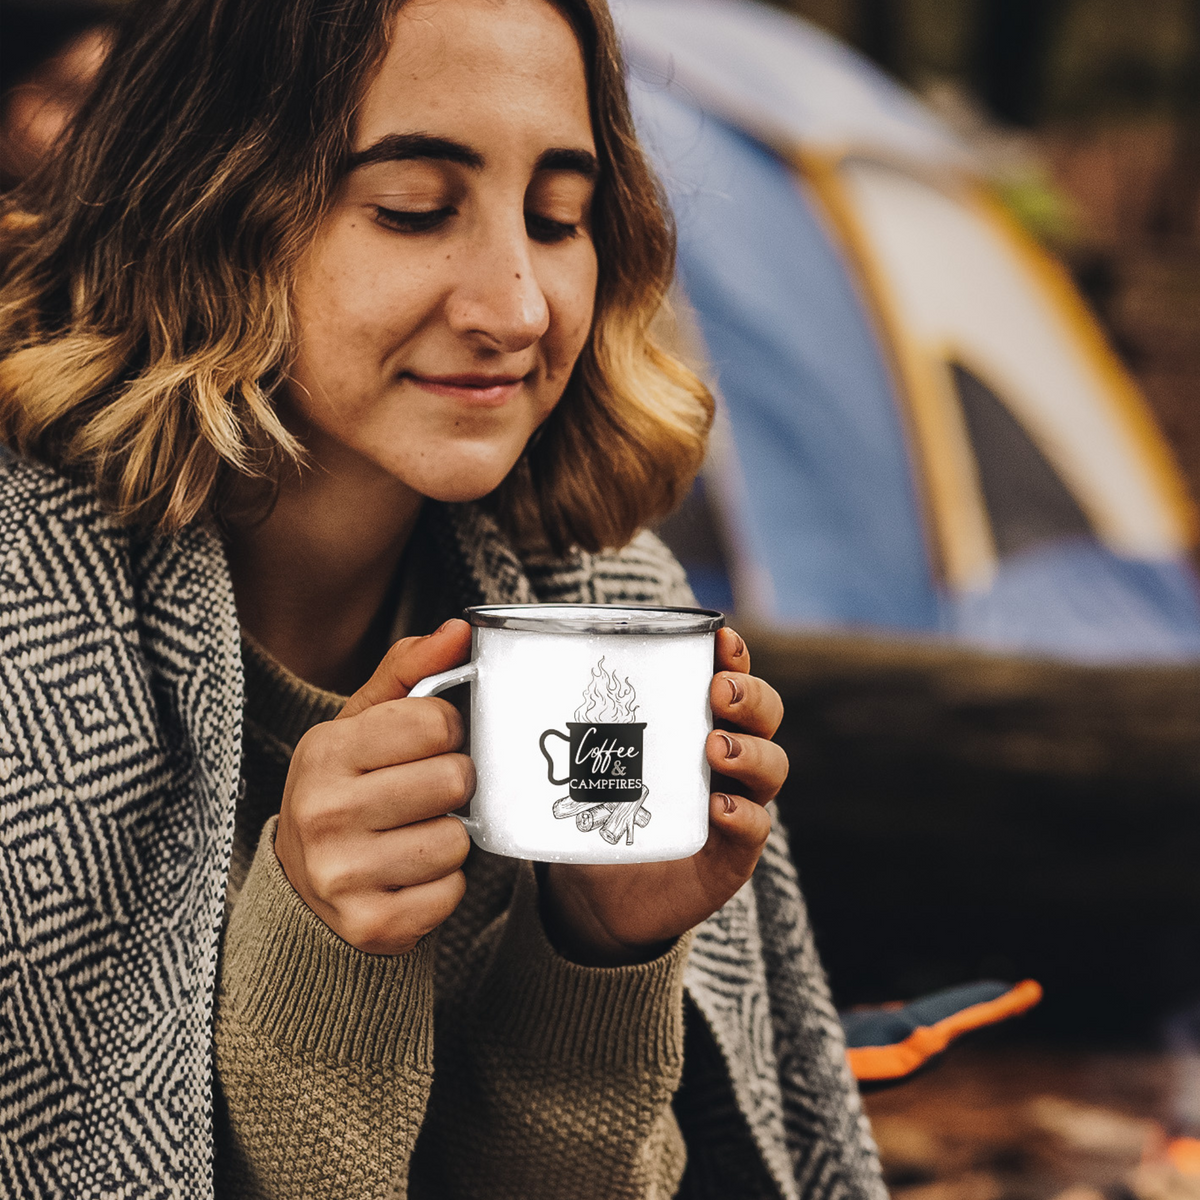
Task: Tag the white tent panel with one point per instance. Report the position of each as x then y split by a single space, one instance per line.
960 291
784 81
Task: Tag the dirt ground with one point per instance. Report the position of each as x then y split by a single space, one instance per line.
1013 1122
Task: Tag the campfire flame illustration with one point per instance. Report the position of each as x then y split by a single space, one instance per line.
607 699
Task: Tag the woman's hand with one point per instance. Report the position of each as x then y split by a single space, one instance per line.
609 915
363 836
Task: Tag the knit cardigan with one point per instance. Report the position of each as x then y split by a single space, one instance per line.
120 747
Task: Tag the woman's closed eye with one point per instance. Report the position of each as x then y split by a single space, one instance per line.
547 230
557 206
421 221
541 229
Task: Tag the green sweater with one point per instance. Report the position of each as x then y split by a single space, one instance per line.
480 1064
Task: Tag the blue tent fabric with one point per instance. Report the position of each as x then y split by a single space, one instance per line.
740 62
1078 600
829 516
832 504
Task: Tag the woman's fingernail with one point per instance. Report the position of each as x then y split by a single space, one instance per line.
732 748
736 690
728 803
740 648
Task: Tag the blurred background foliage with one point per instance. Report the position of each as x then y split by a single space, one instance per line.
1032 60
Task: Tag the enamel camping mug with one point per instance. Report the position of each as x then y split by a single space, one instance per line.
587 728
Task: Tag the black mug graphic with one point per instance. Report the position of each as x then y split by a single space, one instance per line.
604 777
604 772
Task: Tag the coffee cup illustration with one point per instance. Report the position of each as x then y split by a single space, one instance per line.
604 744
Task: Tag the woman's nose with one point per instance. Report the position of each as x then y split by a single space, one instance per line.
498 297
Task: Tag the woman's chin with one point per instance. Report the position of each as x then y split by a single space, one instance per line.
459 485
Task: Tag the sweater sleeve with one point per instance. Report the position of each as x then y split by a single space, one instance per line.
324 1054
554 1080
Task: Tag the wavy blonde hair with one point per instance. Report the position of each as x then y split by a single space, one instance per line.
145 315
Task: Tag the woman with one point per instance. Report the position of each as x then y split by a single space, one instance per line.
333 320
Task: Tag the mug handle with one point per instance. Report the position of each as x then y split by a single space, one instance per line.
434 685
549 760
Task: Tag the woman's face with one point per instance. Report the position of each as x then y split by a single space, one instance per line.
447 295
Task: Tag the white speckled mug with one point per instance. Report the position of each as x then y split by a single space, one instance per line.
588 726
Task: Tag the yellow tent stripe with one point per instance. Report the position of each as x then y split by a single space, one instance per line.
1128 407
947 472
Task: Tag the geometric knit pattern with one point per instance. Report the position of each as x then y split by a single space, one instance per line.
121 703
120 685
830 1145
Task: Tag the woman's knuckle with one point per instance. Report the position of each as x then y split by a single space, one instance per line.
307 818
305 751
320 750
445 778
381 938
408 930
326 878
435 728
463 778
782 765
318 819
441 843
452 724
456 889
445 897
365 932
421 910
773 704
418 714
427 727
364 924
458 839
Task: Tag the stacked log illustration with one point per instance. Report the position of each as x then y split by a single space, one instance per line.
612 820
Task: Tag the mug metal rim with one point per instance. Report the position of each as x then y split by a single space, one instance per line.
538 618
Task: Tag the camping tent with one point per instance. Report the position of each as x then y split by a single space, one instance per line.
922 430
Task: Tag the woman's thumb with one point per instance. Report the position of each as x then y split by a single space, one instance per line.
408 662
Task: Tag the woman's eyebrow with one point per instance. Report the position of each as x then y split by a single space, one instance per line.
397 147
582 162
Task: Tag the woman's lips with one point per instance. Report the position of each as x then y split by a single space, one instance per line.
487 391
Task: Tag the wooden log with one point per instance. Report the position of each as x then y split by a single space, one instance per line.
592 818
585 822
569 807
622 820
